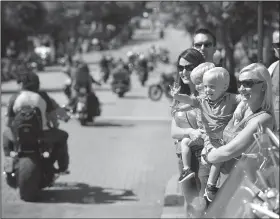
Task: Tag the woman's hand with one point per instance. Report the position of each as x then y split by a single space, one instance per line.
205 151
196 133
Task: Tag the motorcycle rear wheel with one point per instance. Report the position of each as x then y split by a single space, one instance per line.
120 94
155 92
29 178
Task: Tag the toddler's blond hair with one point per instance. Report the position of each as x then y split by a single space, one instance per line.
199 70
220 74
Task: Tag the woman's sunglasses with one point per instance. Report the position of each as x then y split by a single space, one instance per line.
248 83
186 67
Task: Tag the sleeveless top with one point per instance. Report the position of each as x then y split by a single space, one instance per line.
229 133
232 130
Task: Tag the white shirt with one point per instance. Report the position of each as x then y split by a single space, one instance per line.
29 98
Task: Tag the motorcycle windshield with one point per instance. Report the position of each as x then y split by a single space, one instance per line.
242 185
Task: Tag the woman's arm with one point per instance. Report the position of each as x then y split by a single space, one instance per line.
177 132
241 142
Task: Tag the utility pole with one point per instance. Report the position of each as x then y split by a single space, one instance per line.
260 31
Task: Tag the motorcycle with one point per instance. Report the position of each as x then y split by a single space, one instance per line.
120 85
156 91
30 166
252 188
82 110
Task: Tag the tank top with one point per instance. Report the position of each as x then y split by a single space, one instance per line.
232 130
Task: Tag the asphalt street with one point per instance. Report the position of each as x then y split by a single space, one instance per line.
119 165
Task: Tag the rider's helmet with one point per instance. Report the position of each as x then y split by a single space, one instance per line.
129 54
141 56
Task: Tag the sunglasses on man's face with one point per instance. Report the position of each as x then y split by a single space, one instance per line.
199 45
276 45
248 83
186 67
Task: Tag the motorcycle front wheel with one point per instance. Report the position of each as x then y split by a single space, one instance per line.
155 92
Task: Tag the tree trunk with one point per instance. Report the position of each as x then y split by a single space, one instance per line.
229 58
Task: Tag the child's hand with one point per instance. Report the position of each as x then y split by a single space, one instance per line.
174 89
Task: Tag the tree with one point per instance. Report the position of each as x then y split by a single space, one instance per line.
229 20
20 19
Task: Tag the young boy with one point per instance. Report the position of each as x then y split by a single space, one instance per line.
196 78
217 107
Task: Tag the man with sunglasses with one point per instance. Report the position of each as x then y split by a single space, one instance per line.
274 72
205 42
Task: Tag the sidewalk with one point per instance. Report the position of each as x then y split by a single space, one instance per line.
173 200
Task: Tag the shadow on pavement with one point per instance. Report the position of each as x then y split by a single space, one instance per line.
84 194
104 124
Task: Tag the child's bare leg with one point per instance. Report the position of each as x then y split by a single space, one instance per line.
186 160
211 189
186 153
214 174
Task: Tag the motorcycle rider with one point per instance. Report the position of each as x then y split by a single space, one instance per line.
105 63
143 66
81 77
121 72
30 95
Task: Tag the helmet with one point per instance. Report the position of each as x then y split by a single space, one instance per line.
29 81
129 54
141 56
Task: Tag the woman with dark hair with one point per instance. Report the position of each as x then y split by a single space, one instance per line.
183 123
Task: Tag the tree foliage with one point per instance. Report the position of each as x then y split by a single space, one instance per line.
230 21
61 19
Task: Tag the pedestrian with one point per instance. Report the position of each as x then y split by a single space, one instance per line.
187 143
255 86
184 122
217 107
274 73
205 41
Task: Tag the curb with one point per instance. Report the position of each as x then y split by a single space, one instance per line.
173 200
173 195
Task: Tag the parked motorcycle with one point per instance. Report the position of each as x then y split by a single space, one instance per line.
156 91
252 188
30 166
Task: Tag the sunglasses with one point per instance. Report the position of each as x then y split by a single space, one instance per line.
199 45
276 45
186 67
248 83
